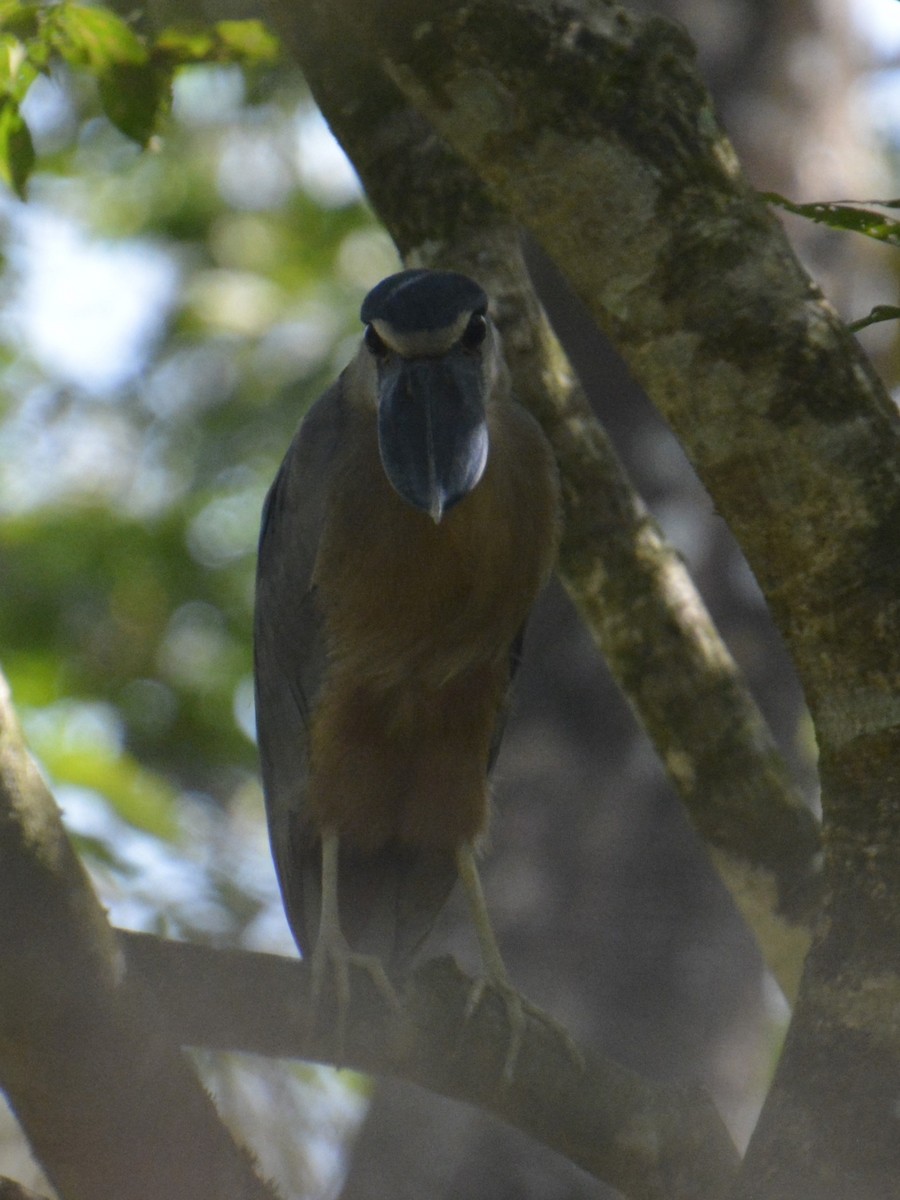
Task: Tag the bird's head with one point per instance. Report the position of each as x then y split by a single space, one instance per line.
431 354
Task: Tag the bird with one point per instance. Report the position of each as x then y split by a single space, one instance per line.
404 541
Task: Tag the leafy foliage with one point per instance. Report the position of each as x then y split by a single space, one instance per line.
847 215
134 74
131 512
854 217
129 507
16 150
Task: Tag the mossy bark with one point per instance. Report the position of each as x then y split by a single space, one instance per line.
109 1105
592 129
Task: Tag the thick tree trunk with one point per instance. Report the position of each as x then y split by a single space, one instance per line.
595 132
109 1105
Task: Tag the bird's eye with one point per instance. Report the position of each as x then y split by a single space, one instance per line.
374 344
475 332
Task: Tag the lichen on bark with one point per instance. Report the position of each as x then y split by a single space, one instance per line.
611 158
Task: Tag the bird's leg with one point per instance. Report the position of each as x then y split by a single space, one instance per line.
495 974
332 949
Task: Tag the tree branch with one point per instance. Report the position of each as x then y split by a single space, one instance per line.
10 1190
651 1141
631 588
111 1108
592 128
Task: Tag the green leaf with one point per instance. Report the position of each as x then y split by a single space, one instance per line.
16 149
846 215
139 796
18 67
244 42
22 20
186 44
34 677
95 38
881 312
100 851
249 41
134 97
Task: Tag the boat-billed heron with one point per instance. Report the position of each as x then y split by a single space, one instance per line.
404 541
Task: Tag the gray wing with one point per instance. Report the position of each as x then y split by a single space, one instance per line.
289 653
388 900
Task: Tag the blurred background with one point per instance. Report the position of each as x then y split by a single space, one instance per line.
166 317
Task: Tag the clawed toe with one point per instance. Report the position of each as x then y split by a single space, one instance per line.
335 954
518 1009
518 1013
515 1015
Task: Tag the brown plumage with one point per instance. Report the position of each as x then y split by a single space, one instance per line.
388 625
419 622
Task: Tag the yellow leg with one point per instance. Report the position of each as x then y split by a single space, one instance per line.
471 881
332 950
495 973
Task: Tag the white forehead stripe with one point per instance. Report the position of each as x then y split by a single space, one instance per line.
421 341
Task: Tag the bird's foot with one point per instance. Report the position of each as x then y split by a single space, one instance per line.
516 1017
518 1012
335 954
495 978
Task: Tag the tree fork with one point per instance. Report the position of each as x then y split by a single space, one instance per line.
593 129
